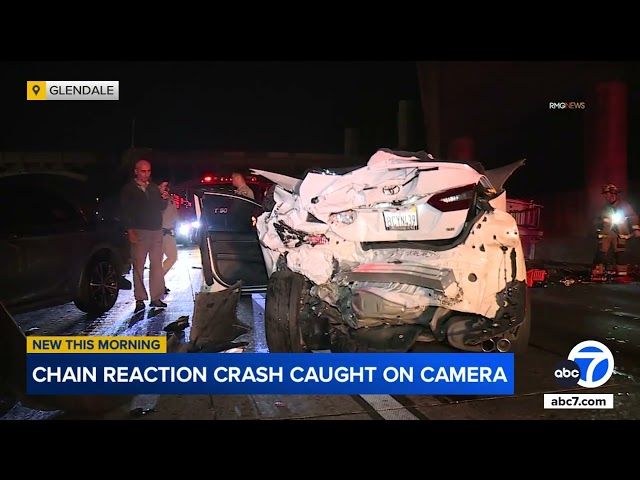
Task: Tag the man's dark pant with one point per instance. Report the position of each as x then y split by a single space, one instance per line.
149 243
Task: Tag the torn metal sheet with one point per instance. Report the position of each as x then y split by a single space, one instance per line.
215 319
286 182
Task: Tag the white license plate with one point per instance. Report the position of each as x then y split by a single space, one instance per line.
401 219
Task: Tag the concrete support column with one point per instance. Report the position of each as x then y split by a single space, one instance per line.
606 141
462 149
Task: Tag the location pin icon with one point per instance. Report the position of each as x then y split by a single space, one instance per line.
36 89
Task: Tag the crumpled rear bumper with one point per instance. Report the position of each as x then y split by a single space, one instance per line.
466 278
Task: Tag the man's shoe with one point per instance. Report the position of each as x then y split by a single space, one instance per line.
124 284
139 306
158 304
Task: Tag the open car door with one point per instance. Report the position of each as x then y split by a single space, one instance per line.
229 243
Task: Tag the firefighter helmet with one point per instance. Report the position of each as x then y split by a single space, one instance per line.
610 188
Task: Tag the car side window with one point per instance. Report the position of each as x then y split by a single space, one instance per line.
59 211
214 210
225 213
41 204
242 215
18 211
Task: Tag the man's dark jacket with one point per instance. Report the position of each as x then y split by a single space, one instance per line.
142 210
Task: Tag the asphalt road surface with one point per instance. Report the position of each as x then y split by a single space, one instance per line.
562 317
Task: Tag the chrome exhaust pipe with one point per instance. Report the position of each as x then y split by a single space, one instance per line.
503 345
488 345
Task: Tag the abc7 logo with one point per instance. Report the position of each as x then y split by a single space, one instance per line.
590 364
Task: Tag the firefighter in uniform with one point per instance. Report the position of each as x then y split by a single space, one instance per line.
617 223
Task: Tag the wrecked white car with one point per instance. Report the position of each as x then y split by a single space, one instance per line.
402 250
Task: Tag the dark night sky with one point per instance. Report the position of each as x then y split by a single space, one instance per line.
268 106
291 106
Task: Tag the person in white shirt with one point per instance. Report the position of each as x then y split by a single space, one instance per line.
169 221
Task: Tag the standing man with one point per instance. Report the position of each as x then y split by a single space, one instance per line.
169 221
142 206
617 222
238 181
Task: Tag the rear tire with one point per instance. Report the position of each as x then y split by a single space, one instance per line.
285 302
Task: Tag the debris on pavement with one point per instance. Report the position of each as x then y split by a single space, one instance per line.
140 412
215 325
177 326
31 331
238 349
217 347
547 273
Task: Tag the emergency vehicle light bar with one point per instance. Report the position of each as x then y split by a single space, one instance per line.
212 179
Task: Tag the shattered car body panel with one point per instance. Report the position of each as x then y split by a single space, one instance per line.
403 241
396 188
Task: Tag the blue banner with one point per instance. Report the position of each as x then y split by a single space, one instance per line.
271 373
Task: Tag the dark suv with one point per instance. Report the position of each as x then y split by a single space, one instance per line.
56 246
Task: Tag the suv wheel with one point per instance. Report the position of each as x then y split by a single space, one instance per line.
99 286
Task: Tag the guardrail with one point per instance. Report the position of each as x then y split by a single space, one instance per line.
526 214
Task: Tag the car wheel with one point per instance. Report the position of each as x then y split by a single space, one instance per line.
99 286
285 301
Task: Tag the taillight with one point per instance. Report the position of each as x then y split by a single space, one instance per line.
455 199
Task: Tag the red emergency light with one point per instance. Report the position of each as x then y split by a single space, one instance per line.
211 179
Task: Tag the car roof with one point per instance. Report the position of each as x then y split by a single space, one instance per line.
51 174
228 193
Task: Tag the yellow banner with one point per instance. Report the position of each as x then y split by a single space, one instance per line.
96 344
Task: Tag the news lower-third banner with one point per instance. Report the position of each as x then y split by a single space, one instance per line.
270 373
